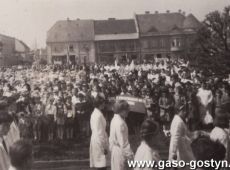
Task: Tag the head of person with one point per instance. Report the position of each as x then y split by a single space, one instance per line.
219 93
205 149
204 84
21 155
5 122
99 101
182 111
121 107
178 90
149 132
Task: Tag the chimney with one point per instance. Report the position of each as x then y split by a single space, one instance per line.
179 10
111 19
183 13
68 19
156 12
167 11
147 12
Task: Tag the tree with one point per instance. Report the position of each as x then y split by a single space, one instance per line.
212 47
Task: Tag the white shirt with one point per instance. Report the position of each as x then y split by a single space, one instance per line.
99 140
119 143
145 153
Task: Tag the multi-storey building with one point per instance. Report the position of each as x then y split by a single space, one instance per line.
164 35
116 40
147 36
71 42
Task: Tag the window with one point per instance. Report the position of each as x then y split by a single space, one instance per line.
176 42
101 47
121 45
145 44
162 43
149 44
130 45
55 49
71 48
106 46
159 56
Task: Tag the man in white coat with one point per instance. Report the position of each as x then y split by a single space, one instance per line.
5 121
99 140
118 140
180 143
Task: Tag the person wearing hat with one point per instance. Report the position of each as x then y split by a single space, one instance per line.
180 141
119 137
220 131
99 139
149 136
5 122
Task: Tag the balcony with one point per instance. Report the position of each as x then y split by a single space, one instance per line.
176 48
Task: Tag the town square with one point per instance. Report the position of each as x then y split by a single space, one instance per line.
114 85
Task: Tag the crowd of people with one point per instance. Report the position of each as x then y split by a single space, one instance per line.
51 102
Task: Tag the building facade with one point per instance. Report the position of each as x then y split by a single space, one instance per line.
116 40
166 35
12 51
71 42
146 36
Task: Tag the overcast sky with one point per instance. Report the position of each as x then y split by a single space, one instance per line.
29 20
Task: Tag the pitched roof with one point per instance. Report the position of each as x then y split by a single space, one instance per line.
163 22
24 44
191 22
71 30
114 26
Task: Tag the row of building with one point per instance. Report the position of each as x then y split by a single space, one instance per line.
13 51
146 36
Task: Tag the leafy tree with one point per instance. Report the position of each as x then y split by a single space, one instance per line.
212 47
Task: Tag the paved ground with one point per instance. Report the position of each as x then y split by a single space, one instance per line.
75 156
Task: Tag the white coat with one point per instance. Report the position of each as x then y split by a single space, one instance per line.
4 157
205 99
99 140
180 143
12 168
119 143
12 136
146 153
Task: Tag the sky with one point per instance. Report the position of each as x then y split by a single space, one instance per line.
29 20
